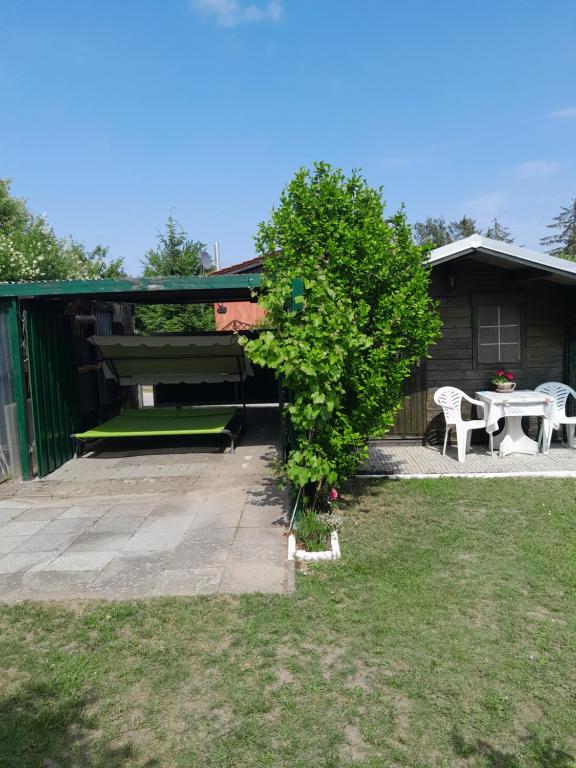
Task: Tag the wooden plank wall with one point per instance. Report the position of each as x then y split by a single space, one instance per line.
456 285
412 413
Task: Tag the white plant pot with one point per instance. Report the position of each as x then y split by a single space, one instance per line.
302 555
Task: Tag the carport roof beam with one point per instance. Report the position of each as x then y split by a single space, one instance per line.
145 290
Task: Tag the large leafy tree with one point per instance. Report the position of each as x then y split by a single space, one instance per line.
563 242
30 250
365 318
175 255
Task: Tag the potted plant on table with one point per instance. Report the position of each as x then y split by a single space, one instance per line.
503 381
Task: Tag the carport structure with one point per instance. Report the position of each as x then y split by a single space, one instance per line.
134 521
39 319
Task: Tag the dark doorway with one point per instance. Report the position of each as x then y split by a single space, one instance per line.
410 421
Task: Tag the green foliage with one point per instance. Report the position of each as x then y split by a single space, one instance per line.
497 231
364 320
13 211
432 231
435 232
175 255
29 249
563 242
313 532
464 227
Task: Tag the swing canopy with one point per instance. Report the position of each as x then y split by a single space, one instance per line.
167 359
150 360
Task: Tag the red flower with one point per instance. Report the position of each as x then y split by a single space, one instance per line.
509 376
499 373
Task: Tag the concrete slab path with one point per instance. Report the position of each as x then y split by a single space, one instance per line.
144 522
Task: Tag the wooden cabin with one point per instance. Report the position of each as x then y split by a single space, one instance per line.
502 306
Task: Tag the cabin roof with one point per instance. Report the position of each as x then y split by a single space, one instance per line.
498 253
243 267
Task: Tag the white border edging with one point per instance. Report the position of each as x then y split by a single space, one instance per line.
302 555
475 475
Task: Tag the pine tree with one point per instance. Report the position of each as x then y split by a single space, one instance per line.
176 255
464 227
497 231
564 241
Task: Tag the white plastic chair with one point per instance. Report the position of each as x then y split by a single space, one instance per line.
450 400
560 392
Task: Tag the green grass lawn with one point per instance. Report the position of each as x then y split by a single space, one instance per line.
446 636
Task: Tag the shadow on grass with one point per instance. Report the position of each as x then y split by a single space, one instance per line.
540 753
42 726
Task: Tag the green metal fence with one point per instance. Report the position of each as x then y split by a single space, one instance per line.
53 387
9 453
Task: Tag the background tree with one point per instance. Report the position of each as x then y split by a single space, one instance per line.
30 250
175 255
497 231
13 211
464 227
563 242
366 317
435 232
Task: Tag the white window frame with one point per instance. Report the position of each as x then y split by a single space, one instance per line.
502 360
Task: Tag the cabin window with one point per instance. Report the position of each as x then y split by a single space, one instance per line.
499 338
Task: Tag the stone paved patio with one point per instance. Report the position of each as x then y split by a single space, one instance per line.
397 460
142 522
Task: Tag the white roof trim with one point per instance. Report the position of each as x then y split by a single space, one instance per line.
506 250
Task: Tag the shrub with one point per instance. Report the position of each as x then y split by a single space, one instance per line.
365 318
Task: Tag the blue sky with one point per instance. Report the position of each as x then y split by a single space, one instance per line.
113 114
